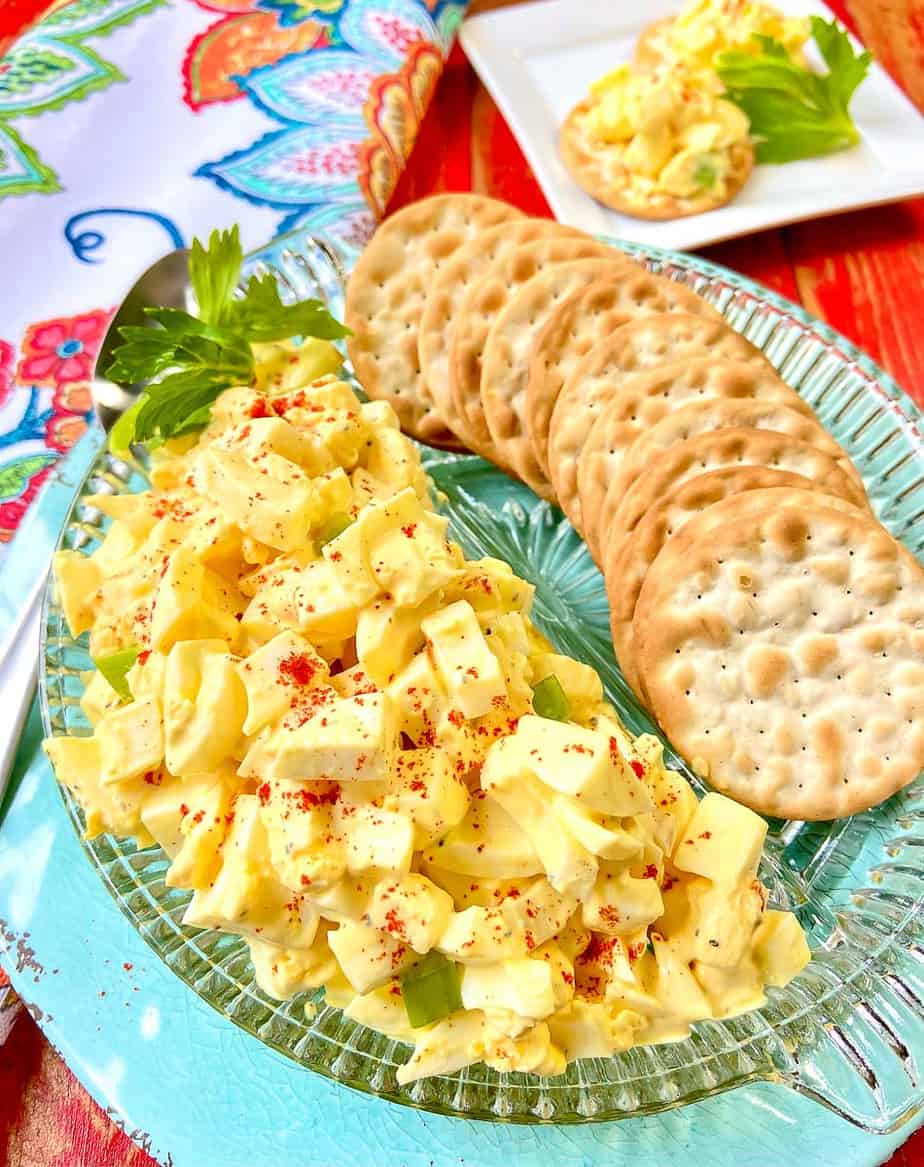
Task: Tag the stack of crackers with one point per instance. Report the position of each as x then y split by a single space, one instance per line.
759 610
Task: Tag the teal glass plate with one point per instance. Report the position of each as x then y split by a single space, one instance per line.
849 1031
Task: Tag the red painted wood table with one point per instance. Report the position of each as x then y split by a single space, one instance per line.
862 272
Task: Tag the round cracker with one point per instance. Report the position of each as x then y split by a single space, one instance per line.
570 332
597 167
385 297
707 417
645 398
644 345
450 285
782 651
476 314
626 563
728 447
509 346
582 321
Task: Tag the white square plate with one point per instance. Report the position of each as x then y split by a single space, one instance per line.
538 60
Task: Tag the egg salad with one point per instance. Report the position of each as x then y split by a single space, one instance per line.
669 131
360 756
705 28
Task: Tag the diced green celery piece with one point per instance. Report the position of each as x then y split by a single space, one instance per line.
549 699
335 525
705 174
114 668
431 990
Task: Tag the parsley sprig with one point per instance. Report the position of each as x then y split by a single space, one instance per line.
795 112
186 361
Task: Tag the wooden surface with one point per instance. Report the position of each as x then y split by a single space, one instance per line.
862 272
17 15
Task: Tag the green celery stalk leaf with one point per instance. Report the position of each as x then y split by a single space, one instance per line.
214 273
741 72
845 68
196 421
771 47
786 133
184 361
140 358
261 315
122 433
190 376
793 111
177 323
804 142
180 398
148 352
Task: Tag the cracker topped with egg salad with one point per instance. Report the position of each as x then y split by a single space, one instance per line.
659 144
722 84
703 29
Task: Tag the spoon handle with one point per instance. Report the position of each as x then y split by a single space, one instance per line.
22 588
18 674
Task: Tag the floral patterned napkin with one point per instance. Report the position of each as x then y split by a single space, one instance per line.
129 126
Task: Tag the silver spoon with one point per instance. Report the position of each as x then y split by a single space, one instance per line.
165 284
306 267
